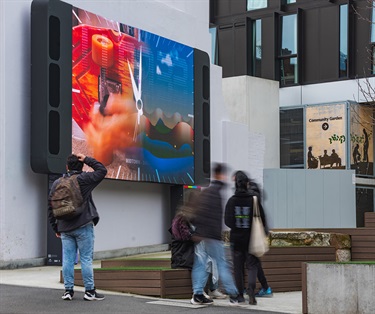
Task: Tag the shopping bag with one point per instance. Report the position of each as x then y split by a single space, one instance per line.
258 244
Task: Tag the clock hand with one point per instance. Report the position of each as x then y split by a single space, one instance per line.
137 91
140 74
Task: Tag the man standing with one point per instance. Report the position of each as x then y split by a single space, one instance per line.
208 240
78 232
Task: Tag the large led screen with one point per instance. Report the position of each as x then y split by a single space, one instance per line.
133 100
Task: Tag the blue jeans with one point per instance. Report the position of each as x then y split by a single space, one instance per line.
83 239
214 249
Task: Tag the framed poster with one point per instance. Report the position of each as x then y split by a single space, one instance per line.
326 136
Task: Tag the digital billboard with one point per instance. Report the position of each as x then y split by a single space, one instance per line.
138 101
133 100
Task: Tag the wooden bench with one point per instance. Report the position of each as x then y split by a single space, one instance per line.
282 265
168 283
370 220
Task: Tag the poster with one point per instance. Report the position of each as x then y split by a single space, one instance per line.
361 139
326 136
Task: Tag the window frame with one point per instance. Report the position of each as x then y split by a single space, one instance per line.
346 75
253 38
253 9
282 57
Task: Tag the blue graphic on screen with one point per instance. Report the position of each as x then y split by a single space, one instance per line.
165 150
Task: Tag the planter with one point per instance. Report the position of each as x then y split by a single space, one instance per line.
338 288
150 277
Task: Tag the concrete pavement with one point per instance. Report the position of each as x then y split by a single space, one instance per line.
47 278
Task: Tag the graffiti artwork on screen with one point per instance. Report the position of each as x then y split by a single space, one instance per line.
326 136
133 101
361 138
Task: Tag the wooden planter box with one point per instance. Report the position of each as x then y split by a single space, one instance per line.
171 283
118 275
282 266
136 262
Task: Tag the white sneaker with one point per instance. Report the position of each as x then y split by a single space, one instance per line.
206 295
216 294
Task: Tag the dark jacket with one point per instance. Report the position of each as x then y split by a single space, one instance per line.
238 217
209 217
87 182
182 253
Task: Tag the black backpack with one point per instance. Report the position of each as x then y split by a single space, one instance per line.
66 199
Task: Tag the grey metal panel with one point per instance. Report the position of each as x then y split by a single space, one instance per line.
347 200
298 198
314 198
331 192
275 197
281 202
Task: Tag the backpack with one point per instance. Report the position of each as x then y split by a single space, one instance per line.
66 199
181 229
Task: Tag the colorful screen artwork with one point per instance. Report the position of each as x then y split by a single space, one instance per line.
132 100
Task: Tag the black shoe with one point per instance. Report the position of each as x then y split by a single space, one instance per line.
252 300
68 295
200 299
240 299
92 295
233 300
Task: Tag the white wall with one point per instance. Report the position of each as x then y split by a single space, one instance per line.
132 214
251 139
324 92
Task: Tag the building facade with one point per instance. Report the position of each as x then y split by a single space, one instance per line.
322 54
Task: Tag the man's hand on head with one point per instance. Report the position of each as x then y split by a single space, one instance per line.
81 157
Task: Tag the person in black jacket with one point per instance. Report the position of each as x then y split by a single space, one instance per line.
182 246
238 217
78 232
208 240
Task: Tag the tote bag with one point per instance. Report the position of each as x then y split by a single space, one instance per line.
258 244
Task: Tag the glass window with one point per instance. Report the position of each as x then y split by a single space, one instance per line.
213 33
289 71
291 138
344 40
289 34
373 24
288 59
291 1
256 4
257 48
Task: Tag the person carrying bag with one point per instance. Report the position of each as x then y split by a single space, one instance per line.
240 210
258 244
